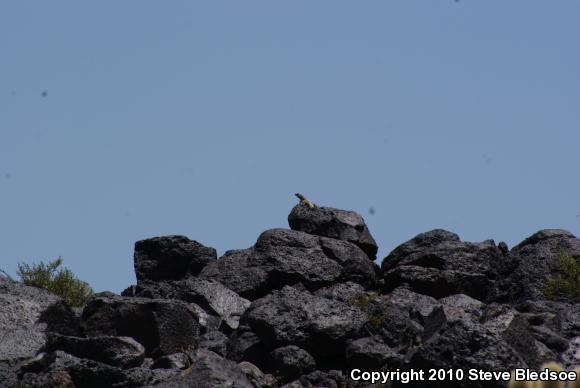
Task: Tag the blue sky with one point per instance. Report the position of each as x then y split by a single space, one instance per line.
203 118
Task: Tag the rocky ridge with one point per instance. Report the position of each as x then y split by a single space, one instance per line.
300 308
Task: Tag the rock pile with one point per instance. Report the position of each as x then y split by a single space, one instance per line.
301 308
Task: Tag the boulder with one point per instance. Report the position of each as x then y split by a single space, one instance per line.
438 264
334 223
320 326
208 370
291 361
210 295
372 354
123 352
537 258
60 368
170 258
26 315
285 257
161 326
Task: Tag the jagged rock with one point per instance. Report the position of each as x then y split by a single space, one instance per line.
464 345
86 373
291 361
216 341
316 379
245 345
343 292
242 271
284 257
170 258
333 223
355 263
388 320
208 294
26 314
208 370
62 319
372 354
438 264
172 361
161 326
319 325
537 258
123 352
55 379
256 376
419 306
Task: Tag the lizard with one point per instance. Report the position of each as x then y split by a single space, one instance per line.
305 201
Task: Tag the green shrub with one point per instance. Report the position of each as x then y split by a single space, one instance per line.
566 285
62 282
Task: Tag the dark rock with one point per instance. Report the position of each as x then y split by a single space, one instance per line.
60 318
216 341
372 354
242 271
333 223
419 306
86 373
316 379
22 330
284 257
246 346
355 263
296 257
438 263
208 370
464 345
161 326
172 361
319 325
123 352
170 258
537 258
209 294
343 292
256 376
291 361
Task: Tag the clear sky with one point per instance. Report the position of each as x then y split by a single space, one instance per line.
122 120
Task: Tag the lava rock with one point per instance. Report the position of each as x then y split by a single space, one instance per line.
537 258
291 361
161 326
170 258
439 264
208 370
208 294
123 352
334 223
319 325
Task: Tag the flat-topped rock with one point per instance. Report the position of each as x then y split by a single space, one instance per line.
334 223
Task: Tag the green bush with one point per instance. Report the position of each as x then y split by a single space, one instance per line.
565 286
62 282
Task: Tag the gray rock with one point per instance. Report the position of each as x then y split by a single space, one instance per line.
319 325
256 376
537 258
123 352
439 264
334 223
208 370
170 258
372 354
161 326
208 294
216 341
85 373
172 361
291 361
